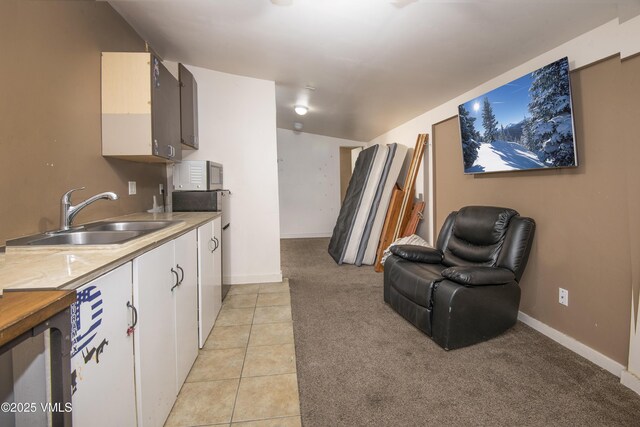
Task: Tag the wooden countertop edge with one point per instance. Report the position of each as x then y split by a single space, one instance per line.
13 324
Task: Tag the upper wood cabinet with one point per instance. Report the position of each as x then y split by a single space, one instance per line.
140 108
188 108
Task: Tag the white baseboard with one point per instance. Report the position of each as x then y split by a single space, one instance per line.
257 278
574 345
304 235
628 379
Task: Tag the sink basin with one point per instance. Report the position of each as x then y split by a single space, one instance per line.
147 226
97 233
86 238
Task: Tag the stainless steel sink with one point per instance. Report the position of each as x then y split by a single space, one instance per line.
87 238
97 233
128 225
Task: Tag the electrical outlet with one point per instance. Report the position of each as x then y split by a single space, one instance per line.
563 297
132 188
161 188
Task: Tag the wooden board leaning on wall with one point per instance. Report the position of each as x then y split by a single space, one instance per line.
402 201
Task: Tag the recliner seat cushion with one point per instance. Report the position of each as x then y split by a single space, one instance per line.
477 236
414 280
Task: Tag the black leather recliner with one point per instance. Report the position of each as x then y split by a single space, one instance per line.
466 289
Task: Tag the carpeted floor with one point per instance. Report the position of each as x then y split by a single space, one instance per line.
361 364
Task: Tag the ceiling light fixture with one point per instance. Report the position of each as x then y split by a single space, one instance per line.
301 110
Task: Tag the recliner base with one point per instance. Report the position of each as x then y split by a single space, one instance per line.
418 315
460 315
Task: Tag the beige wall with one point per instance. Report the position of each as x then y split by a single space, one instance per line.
630 114
586 217
50 114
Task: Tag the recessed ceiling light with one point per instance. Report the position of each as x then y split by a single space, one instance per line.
301 110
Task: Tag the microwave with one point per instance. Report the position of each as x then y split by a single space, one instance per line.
197 175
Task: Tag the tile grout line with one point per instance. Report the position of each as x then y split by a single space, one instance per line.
270 418
244 359
237 378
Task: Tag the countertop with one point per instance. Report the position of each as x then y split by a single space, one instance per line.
21 311
69 267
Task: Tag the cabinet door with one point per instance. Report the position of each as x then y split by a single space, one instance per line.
209 293
186 306
155 351
217 263
188 107
102 374
165 112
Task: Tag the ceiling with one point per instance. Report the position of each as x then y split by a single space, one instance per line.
374 64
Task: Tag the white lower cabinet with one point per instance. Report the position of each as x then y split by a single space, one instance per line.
209 276
163 293
155 351
186 306
135 331
102 352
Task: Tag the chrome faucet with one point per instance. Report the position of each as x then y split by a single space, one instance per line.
69 212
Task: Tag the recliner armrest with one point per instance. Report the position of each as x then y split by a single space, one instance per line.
479 276
417 253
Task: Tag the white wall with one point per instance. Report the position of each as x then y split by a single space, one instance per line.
309 182
237 127
604 41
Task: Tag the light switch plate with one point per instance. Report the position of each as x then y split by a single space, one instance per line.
132 188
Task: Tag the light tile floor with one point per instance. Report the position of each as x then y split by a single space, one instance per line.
246 373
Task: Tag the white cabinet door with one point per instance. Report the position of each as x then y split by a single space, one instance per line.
186 305
155 351
209 278
102 352
217 264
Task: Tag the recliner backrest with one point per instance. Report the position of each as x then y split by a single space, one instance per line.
475 236
445 231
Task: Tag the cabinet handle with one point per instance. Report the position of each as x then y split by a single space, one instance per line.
182 274
214 245
134 318
217 243
177 279
172 151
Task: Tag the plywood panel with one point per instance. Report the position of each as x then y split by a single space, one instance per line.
131 68
582 240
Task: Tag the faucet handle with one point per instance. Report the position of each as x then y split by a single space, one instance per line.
66 197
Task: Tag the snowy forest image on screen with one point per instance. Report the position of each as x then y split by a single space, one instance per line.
525 124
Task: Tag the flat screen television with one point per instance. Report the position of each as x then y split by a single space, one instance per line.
525 124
